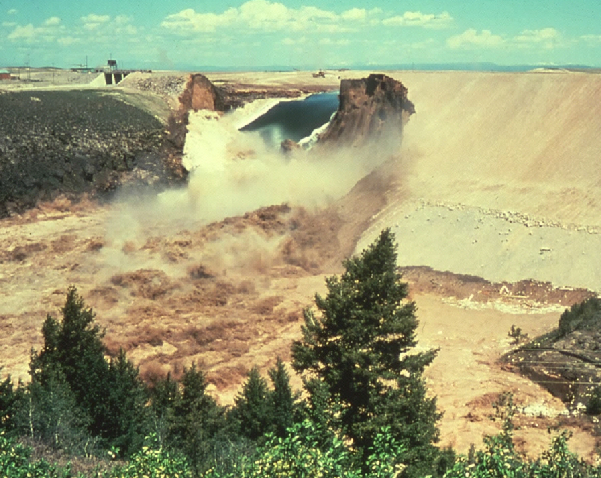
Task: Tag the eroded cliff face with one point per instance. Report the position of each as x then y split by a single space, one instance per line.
371 109
201 94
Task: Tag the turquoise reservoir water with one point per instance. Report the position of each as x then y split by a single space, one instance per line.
294 119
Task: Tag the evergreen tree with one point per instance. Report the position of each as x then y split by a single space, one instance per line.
71 372
49 413
164 394
358 354
253 412
125 417
197 419
9 401
282 400
74 350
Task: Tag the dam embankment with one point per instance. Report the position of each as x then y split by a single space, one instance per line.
499 176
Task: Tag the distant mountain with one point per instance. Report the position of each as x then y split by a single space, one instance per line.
468 66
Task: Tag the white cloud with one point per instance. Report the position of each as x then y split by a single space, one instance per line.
12 11
93 21
537 36
26 32
547 38
52 21
122 19
93 18
268 16
264 15
189 20
128 29
591 38
419 19
46 32
66 41
9 24
471 38
355 14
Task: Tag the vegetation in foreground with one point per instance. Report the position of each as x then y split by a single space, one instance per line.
367 412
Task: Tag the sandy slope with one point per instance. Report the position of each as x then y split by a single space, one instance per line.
519 153
527 142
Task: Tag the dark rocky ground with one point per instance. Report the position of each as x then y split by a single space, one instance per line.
567 360
79 141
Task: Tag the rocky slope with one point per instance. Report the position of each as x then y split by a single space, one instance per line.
74 142
566 361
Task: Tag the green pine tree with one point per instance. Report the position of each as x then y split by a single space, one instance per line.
360 349
9 402
197 419
125 417
73 348
72 369
283 406
252 411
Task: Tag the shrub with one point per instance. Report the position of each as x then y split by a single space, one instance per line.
580 316
153 461
593 407
15 462
300 455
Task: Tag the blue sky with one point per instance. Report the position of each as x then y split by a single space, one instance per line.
189 34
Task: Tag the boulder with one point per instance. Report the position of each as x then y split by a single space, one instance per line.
289 146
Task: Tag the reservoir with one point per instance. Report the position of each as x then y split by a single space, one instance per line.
294 120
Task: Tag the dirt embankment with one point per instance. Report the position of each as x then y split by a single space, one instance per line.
526 142
498 177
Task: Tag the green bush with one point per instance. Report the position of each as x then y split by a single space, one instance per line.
580 316
593 407
153 461
499 459
299 455
15 462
